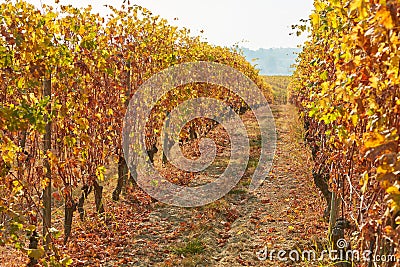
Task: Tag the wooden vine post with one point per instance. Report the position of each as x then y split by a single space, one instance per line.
123 170
333 216
46 148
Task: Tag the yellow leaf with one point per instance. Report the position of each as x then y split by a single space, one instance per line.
82 30
36 253
332 18
44 182
384 17
16 186
83 124
325 87
323 103
373 139
9 152
69 141
354 119
100 172
374 82
393 190
21 82
319 6
360 5
356 4
314 19
364 182
383 169
52 158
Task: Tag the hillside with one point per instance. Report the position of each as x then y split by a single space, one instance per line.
272 61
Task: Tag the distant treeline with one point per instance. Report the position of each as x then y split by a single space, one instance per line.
273 61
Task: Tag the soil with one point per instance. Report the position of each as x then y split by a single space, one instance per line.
285 213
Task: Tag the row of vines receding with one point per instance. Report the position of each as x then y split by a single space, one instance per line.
70 72
347 87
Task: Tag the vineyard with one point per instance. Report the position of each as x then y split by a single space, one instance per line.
279 86
347 87
69 197
67 75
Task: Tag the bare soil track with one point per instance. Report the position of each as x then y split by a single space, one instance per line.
284 213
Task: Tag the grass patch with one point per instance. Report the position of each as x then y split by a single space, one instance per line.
193 247
252 163
256 142
238 191
245 182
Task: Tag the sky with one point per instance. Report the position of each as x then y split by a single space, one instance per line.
253 23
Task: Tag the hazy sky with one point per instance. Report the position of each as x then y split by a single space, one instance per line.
252 23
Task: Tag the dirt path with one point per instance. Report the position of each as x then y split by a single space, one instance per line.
284 213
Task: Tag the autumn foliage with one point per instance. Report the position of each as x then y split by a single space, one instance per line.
94 64
347 86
